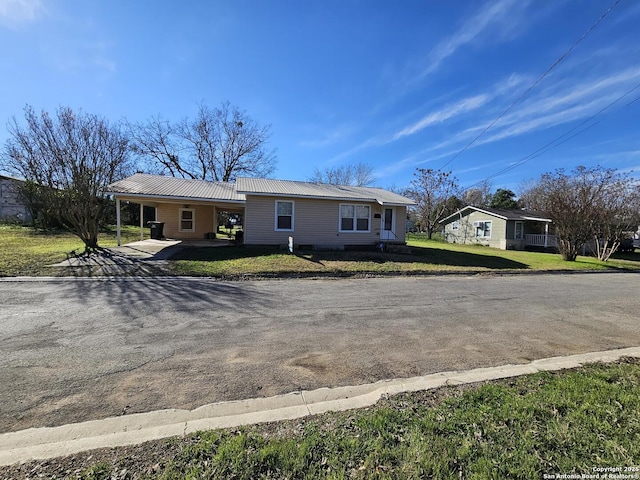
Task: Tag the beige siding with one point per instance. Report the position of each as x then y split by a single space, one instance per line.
315 223
466 231
169 213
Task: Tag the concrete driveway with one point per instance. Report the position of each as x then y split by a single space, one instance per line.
80 348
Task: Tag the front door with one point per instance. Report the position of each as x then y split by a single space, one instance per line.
388 230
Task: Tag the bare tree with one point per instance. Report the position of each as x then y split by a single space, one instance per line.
220 144
360 175
435 193
156 140
68 160
527 197
479 196
596 203
618 214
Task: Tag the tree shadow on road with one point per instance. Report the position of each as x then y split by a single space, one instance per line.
129 296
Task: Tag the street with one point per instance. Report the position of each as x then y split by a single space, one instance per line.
79 348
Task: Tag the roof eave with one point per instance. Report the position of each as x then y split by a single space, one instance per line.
173 197
313 197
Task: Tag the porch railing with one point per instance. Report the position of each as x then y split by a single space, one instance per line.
540 240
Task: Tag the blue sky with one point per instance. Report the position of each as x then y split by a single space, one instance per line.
397 85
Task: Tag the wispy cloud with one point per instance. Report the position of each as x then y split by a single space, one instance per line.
566 102
449 111
328 138
502 14
15 13
499 20
437 116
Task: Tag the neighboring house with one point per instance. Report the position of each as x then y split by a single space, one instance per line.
318 215
12 207
498 228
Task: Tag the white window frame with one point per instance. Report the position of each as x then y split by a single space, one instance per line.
293 216
455 225
515 231
193 220
355 218
484 229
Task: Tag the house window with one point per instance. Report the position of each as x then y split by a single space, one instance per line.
483 229
284 215
187 220
455 225
519 231
355 218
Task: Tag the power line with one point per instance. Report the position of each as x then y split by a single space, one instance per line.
534 84
555 142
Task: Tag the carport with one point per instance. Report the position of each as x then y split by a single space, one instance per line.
188 208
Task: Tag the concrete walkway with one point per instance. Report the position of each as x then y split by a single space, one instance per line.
50 442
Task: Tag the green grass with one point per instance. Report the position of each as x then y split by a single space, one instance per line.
547 423
428 256
27 251
452 253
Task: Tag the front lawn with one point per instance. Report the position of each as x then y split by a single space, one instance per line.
561 423
28 251
444 252
428 256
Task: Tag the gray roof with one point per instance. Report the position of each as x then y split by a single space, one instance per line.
289 188
144 185
520 215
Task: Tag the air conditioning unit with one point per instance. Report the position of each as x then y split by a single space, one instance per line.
478 224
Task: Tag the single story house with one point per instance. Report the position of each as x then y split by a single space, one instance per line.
314 214
12 206
499 228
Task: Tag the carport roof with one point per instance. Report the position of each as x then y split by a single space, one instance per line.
142 184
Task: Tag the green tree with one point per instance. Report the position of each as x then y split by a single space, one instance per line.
505 199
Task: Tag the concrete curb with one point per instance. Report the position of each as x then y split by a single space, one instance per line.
50 442
110 276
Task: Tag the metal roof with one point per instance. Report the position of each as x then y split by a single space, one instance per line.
142 184
290 188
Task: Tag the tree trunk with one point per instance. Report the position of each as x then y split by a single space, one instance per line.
568 251
429 232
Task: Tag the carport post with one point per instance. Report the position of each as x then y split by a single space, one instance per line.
118 220
141 222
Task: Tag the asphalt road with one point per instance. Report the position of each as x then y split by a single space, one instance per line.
79 349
